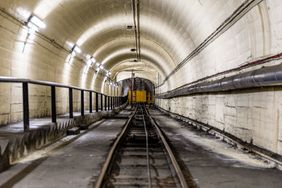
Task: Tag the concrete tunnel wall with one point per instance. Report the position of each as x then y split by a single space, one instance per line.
252 115
40 61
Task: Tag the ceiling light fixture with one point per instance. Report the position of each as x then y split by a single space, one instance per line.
129 27
76 49
35 21
90 60
23 13
93 59
33 25
108 73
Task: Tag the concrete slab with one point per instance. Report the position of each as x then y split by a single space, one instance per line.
73 131
36 123
215 164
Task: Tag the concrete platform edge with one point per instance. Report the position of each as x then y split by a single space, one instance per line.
226 137
14 146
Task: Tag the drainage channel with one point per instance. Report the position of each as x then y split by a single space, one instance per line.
141 157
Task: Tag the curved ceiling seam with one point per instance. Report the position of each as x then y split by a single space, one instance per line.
83 38
109 43
151 64
149 56
102 84
125 61
93 31
109 57
108 60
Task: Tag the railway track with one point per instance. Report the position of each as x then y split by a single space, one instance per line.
141 157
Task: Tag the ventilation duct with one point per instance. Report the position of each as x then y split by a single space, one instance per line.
264 77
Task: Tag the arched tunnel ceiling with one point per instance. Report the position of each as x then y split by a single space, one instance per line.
169 30
143 69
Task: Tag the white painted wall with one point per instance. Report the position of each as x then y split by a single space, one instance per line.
249 115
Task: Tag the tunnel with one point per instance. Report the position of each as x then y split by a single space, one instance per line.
141 93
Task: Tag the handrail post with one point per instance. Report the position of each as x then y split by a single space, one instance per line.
25 106
70 103
109 102
82 102
106 98
97 102
90 101
112 102
101 102
53 104
112 98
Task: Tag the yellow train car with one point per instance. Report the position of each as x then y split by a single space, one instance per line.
140 96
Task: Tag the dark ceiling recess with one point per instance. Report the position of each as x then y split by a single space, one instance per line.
138 84
129 27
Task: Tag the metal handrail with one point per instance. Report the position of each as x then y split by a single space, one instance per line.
4 79
109 101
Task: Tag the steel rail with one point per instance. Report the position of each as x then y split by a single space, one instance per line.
147 151
170 153
112 152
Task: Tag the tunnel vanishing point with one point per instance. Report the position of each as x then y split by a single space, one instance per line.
205 73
